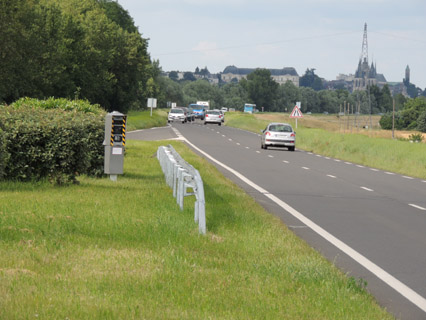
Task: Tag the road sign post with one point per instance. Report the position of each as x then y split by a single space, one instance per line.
296 113
152 103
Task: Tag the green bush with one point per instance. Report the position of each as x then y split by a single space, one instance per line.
58 103
51 143
4 155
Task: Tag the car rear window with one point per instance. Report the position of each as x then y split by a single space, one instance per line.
176 111
213 112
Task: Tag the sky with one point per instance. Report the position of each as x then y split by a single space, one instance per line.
325 35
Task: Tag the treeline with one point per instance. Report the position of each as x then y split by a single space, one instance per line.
261 89
88 49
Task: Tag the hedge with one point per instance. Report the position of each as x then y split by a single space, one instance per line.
51 143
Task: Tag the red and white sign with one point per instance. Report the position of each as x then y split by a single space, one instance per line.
296 113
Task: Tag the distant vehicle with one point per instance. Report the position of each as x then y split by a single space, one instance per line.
198 110
278 135
213 116
224 109
249 108
223 115
206 104
189 114
176 114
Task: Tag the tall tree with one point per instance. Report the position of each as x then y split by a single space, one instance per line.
261 88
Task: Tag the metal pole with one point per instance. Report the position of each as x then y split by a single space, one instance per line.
393 119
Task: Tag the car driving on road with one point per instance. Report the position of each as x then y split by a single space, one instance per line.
176 114
278 135
213 116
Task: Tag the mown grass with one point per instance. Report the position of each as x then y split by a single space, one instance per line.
366 147
144 120
123 250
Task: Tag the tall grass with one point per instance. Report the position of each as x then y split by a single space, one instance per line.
123 250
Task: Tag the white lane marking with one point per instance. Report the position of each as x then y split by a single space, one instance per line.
247 147
306 168
360 166
319 156
223 135
417 207
424 181
367 189
270 156
257 151
347 162
386 277
328 158
230 139
410 178
337 160
331 176
218 132
238 144
310 153
372 169
285 161
390 173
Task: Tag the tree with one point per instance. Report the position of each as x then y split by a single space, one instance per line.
189 76
287 96
309 100
262 89
311 80
234 95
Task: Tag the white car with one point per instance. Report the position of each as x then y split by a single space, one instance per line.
213 116
278 135
176 114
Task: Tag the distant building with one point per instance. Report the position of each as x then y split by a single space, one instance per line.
232 73
366 75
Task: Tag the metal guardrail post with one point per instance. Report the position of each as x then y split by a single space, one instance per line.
179 176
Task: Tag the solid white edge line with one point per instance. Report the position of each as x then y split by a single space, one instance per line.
390 280
417 207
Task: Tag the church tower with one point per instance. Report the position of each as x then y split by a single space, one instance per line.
407 75
365 75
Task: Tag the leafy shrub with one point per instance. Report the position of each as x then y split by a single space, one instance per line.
416 137
51 143
4 155
421 122
58 103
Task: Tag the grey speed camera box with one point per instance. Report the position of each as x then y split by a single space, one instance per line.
115 142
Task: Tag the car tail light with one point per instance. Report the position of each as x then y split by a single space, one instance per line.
207 115
292 135
267 133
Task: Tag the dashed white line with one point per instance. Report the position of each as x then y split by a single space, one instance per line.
390 173
319 156
230 139
306 168
223 135
270 156
257 151
410 178
372 169
417 207
285 161
367 189
348 162
247 147
360 166
328 158
337 160
310 153
331 176
386 277
238 144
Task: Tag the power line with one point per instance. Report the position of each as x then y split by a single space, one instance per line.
257 44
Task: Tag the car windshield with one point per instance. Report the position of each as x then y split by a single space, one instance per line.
176 111
280 128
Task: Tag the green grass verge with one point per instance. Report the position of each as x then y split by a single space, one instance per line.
144 120
123 250
392 155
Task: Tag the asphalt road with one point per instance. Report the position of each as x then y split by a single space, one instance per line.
368 222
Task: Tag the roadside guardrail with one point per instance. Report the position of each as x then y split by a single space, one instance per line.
181 176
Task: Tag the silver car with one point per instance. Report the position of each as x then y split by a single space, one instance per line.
278 135
176 114
213 116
